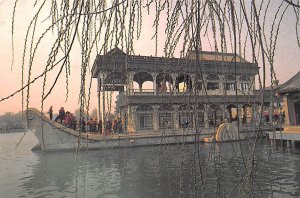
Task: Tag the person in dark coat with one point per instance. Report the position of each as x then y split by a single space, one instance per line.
61 115
50 112
83 124
119 126
100 126
108 126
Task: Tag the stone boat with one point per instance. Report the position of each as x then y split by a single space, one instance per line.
53 136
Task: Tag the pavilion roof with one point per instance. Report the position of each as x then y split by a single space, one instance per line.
216 56
292 85
210 62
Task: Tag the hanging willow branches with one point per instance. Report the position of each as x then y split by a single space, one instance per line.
182 25
248 28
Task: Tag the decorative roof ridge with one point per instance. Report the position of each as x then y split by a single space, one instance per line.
115 50
291 85
214 53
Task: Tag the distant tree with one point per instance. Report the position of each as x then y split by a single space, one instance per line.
77 114
94 113
11 118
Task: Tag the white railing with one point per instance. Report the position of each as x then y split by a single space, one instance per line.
167 92
142 92
131 92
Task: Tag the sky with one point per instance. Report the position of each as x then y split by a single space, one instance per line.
286 62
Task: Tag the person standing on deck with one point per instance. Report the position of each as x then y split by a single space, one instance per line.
61 115
119 126
50 112
82 125
100 126
67 119
114 126
94 125
89 123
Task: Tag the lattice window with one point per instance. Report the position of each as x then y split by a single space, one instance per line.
200 115
230 83
215 115
245 86
185 116
212 82
165 117
145 117
145 121
166 120
245 82
144 108
230 86
200 119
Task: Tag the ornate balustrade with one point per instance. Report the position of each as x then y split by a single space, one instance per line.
152 92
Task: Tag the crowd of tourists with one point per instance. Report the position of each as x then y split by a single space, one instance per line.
111 126
92 125
64 117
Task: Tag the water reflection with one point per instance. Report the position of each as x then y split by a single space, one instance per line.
166 171
221 170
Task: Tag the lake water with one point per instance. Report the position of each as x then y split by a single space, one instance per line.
192 170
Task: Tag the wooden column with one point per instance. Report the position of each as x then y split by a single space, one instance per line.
131 120
103 107
206 124
222 85
174 77
176 117
154 83
288 107
155 118
99 99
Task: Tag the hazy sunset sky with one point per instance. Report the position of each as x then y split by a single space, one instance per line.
286 62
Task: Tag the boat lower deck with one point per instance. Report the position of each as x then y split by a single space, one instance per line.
289 133
54 136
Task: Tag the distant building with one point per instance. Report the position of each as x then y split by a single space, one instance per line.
12 127
185 92
289 92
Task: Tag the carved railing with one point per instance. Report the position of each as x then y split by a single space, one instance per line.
152 92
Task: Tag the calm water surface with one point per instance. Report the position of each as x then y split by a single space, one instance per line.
160 171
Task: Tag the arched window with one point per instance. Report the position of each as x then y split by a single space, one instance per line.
245 82
232 112
199 82
247 113
200 115
215 115
198 85
165 117
245 78
140 78
230 82
212 82
144 117
164 82
183 83
144 108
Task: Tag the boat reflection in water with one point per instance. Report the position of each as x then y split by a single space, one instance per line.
218 170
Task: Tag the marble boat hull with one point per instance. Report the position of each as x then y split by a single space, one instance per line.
53 136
